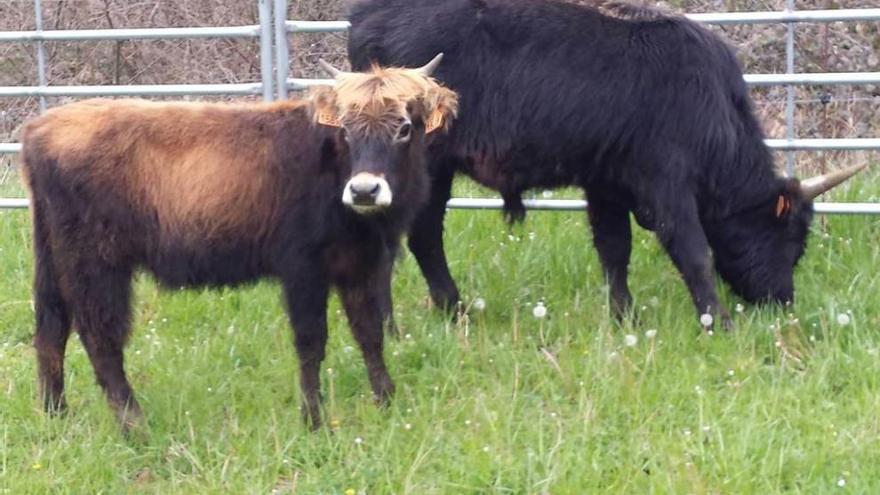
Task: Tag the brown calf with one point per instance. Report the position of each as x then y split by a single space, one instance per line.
314 193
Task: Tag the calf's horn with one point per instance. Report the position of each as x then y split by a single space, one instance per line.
429 68
814 186
333 71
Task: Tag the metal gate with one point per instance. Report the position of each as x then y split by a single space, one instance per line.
282 83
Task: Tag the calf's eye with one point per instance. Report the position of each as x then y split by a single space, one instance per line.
404 132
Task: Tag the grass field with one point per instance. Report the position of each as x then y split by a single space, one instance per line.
500 403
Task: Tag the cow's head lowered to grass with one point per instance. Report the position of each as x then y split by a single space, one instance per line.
385 117
757 249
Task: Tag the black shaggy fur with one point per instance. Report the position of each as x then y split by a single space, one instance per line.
647 112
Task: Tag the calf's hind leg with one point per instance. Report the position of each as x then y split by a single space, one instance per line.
102 298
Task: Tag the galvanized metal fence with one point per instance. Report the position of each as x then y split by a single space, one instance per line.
283 28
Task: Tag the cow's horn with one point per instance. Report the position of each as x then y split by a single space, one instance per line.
333 71
429 68
814 186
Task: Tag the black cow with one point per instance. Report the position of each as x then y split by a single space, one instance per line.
647 112
203 194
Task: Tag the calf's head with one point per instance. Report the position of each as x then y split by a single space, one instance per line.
756 250
386 117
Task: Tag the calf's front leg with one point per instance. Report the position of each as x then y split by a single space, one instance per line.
363 306
306 298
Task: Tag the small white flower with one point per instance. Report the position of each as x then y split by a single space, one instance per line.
650 334
486 449
843 319
407 336
547 193
467 422
630 340
706 319
539 311
479 304
329 371
740 308
698 389
707 429
531 236
729 372
407 426
687 432
841 482
358 440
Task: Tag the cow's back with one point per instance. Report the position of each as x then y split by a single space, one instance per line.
554 93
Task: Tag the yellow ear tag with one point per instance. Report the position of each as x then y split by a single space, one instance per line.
326 117
434 122
782 206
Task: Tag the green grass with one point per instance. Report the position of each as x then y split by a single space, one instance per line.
502 403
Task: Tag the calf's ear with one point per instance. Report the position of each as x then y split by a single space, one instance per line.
323 103
441 107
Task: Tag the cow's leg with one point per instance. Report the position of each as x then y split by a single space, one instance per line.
363 308
102 298
383 285
426 242
306 297
681 234
52 314
612 237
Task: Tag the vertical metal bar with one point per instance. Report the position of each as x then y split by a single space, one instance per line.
789 89
41 52
281 50
265 12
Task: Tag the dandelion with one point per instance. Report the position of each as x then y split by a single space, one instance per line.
467 422
740 308
539 311
706 319
486 449
531 236
334 423
358 440
729 372
841 482
479 304
547 193
407 426
698 389
650 334
329 371
630 340
843 319
350 491
36 466
686 432
408 337
707 429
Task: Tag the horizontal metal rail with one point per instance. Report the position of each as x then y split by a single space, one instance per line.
135 90
818 79
842 144
558 205
814 79
317 26
726 18
132 34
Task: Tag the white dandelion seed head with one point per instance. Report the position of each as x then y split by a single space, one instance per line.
486 449
650 334
740 308
407 426
547 193
706 319
407 336
358 440
730 372
532 236
630 340
843 319
479 304
687 432
841 482
539 311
